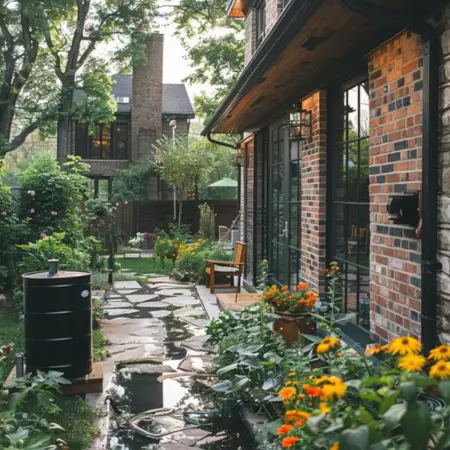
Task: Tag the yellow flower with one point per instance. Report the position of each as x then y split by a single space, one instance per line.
335 389
287 393
404 345
324 408
292 374
288 383
440 353
335 446
411 362
327 344
295 415
440 370
374 350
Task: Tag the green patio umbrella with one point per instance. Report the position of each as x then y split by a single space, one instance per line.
225 182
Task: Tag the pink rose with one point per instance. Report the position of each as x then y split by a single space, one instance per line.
31 211
43 235
4 213
54 213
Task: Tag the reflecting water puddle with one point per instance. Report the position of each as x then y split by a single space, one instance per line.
188 416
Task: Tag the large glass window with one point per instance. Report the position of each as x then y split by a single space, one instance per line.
107 141
350 198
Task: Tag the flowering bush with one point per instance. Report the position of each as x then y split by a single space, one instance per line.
167 247
302 300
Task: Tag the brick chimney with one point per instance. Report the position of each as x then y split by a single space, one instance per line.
146 107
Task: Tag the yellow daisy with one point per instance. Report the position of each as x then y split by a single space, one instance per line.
440 353
404 345
335 389
327 344
374 350
411 362
440 370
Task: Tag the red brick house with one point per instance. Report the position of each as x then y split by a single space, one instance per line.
374 78
145 108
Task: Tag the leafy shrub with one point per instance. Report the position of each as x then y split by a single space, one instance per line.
37 255
52 196
4 277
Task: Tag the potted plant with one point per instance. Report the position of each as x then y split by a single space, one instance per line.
294 309
148 241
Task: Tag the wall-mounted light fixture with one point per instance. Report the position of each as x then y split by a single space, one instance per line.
300 124
238 156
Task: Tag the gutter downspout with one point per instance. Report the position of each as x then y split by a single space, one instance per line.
234 147
430 129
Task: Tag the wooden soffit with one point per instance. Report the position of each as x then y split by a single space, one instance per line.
322 50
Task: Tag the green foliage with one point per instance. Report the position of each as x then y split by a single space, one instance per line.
4 277
100 346
132 183
51 197
52 247
215 48
207 221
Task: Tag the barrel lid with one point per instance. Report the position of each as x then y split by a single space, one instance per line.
59 275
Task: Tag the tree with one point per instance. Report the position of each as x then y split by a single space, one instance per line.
47 52
215 48
183 164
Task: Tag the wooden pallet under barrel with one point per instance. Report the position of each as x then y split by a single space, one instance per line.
91 384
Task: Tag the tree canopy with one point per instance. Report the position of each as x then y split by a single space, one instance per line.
47 51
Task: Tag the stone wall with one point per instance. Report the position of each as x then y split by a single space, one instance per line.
395 164
444 182
146 116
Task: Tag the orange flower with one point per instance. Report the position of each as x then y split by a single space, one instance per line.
335 446
311 295
299 423
295 415
287 393
302 286
313 391
285 288
300 396
284 429
288 383
289 441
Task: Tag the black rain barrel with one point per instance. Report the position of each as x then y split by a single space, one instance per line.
58 322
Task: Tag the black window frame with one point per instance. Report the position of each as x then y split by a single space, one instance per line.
260 22
87 154
361 329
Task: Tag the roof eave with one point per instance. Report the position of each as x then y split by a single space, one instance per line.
295 15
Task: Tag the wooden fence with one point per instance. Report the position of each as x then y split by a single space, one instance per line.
133 217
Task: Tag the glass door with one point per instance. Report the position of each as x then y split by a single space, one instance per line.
285 208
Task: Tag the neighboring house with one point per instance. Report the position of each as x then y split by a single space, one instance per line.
145 107
370 75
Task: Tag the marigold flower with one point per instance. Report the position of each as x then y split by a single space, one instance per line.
302 286
287 393
411 362
289 441
300 396
299 423
327 344
440 353
335 446
324 408
296 383
404 345
284 429
311 295
288 383
440 370
294 415
292 374
312 391
375 349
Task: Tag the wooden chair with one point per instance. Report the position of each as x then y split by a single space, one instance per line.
234 268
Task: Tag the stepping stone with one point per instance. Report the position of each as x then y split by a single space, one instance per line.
161 313
171 292
195 343
127 285
151 305
175 446
126 291
147 369
182 301
114 296
116 304
140 298
121 312
190 437
157 285
189 312
202 323
197 363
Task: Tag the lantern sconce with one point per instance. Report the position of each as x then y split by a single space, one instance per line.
239 156
300 124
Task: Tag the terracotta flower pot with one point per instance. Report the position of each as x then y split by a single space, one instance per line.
292 325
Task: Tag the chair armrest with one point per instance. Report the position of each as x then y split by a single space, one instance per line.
219 263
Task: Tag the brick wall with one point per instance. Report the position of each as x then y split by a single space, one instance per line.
146 120
395 72
272 12
105 167
313 153
182 127
250 40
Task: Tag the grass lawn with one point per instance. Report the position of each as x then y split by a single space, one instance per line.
141 266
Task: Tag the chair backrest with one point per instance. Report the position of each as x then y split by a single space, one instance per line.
239 253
